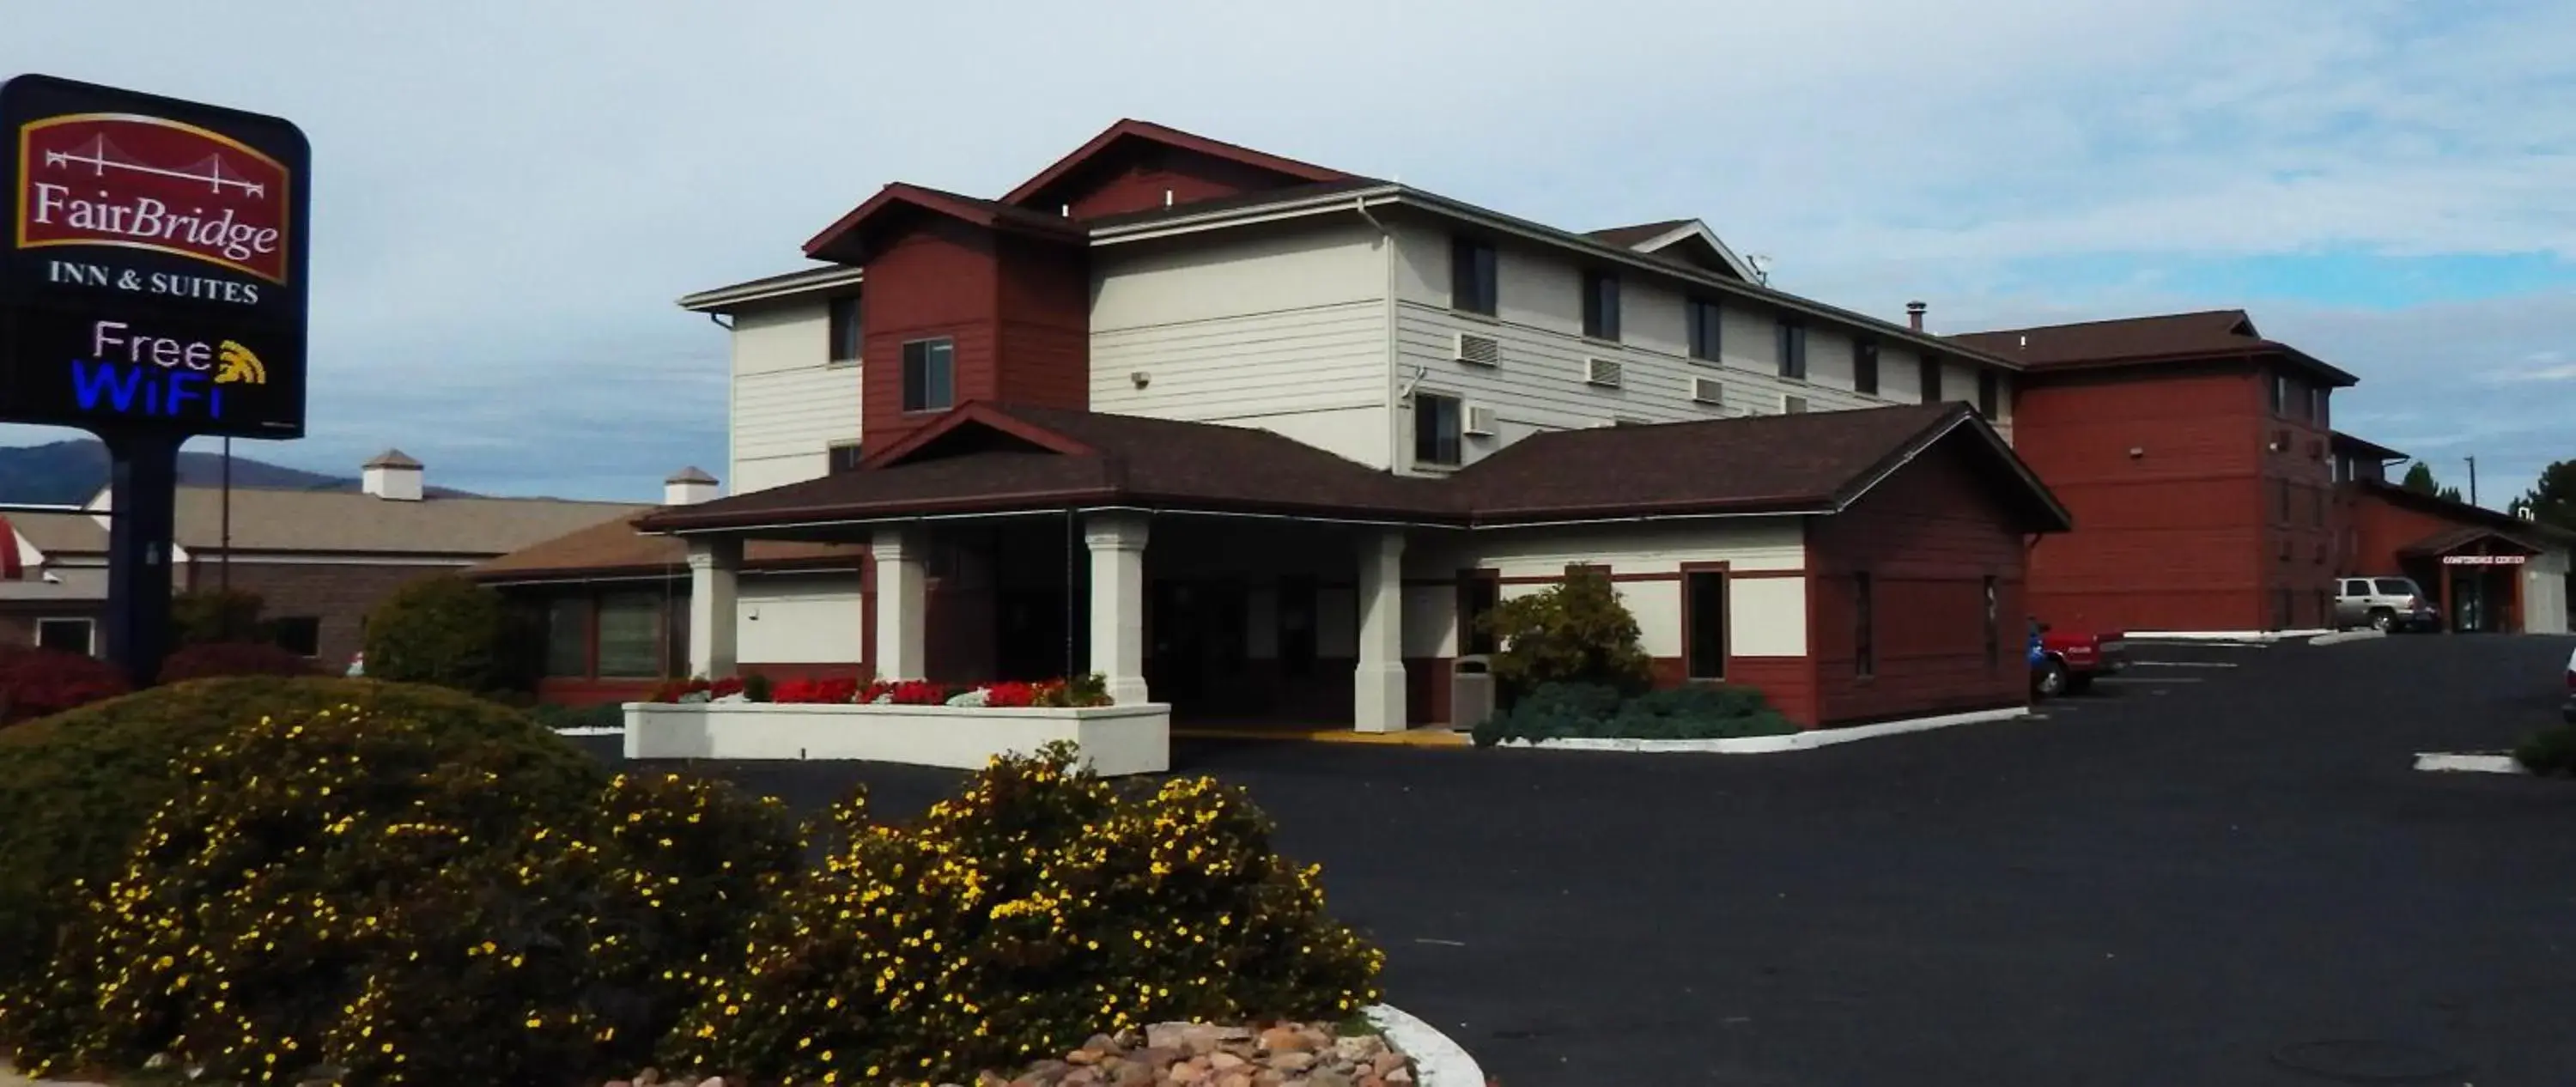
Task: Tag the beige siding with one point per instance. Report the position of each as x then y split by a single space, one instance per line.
1540 384
1281 329
2544 594
1768 615
789 403
800 619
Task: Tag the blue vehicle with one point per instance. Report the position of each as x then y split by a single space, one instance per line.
2047 674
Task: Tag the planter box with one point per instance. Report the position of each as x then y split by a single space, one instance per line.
1114 740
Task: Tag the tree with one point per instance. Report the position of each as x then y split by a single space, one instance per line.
2419 478
1575 632
207 616
2552 498
441 629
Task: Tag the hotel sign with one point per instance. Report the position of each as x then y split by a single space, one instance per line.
154 273
2482 560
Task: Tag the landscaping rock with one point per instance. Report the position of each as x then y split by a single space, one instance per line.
1219 1055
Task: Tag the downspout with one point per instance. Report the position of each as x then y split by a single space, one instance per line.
1394 360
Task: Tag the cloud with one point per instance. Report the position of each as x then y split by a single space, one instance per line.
510 195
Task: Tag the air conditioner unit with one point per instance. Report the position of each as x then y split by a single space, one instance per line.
1480 420
1603 372
1708 390
1475 350
1792 405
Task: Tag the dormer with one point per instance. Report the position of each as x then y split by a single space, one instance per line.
1682 241
1138 166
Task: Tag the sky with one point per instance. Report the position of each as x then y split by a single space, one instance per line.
509 196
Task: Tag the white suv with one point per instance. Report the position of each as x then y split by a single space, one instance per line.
2392 604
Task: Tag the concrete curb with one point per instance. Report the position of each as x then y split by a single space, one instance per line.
2341 636
1764 745
592 730
1437 1060
2454 762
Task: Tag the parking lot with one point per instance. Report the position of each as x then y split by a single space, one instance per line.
2220 869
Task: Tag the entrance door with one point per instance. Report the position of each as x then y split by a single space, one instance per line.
2468 598
1196 645
1032 635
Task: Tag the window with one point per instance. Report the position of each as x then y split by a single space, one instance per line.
1601 305
1479 593
1994 625
845 330
1864 629
67 636
1705 321
2317 405
846 456
2283 487
2317 507
2280 393
297 634
1865 368
1989 393
1704 622
630 635
1927 374
1793 351
568 637
929 375
2397 586
1435 429
2294 396
1473 282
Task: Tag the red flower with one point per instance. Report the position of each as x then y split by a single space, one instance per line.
729 685
1011 695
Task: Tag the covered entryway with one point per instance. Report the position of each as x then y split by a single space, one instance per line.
2475 576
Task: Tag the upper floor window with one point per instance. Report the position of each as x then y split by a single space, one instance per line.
1474 283
1927 373
1865 367
1793 351
2280 391
845 456
2317 405
1436 430
1601 305
1705 318
1990 393
929 375
845 329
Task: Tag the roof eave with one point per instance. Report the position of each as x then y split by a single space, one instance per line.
772 289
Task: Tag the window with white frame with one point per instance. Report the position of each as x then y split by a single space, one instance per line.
68 635
845 334
1437 430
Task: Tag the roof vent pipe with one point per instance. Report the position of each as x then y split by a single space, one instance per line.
1914 315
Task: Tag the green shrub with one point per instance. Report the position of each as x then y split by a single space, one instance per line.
204 616
1575 631
377 897
1692 712
76 787
1041 906
756 688
441 629
2549 752
604 715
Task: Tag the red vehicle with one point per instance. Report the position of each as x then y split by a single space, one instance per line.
2067 663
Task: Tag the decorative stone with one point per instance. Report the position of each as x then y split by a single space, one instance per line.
1225 1061
1285 1039
650 1077
1294 1060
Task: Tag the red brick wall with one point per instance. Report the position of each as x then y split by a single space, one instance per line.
2187 535
1928 537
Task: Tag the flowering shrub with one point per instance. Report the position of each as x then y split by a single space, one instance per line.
1039 907
211 659
1084 691
40 682
815 690
364 894
77 787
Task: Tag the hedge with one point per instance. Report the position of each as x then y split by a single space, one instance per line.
1692 712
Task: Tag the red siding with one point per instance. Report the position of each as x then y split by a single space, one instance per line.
1928 537
2187 534
1788 682
1045 325
1017 310
1138 182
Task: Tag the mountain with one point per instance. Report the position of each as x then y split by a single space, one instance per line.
68 472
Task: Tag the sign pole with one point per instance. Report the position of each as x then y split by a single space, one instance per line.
143 473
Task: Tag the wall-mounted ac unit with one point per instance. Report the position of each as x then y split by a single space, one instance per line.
1708 390
1792 404
1475 350
1480 420
1604 372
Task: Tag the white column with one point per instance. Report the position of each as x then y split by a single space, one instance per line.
1377 697
1117 542
903 604
712 614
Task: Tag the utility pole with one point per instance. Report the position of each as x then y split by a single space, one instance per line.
2473 479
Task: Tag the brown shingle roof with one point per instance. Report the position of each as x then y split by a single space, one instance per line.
613 548
2445 542
2128 340
985 459
355 522
1629 236
61 533
1811 461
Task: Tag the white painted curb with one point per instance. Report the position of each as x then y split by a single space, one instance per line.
2224 637
2444 761
592 730
1765 745
2342 636
1437 1061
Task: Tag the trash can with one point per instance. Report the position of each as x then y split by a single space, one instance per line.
1471 691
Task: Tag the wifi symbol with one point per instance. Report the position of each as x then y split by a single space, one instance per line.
239 365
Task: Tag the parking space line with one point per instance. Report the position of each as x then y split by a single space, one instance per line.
2144 679
2184 664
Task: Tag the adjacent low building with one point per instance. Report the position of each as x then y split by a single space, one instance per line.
2485 571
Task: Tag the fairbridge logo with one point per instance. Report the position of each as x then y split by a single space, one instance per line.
139 182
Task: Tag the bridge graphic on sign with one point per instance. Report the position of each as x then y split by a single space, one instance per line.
101 156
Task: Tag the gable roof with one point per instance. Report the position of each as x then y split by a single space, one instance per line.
2444 543
355 522
845 239
1128 132
612 548
2353 445
1808 463
2129 341
982 458
1688 241
2465 513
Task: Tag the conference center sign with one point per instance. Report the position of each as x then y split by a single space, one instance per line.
154 280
